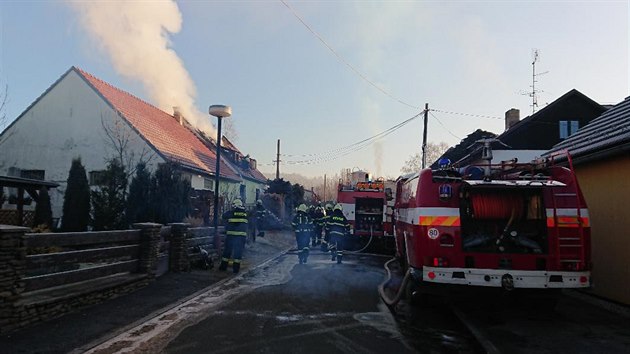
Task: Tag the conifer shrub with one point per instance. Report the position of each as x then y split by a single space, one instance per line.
76 200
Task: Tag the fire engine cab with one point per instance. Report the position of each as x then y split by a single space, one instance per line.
367 204
509 225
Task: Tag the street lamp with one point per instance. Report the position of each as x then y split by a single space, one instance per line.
219 111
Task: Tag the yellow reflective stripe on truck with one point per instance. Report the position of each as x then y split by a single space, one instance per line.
439 220
567 217
568 221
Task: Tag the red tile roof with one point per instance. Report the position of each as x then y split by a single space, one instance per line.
247 172
160 129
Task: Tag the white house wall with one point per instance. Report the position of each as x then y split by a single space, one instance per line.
250 191
64 124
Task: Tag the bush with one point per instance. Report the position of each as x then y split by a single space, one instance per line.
170 195
76 200
139 199
43 211
108 202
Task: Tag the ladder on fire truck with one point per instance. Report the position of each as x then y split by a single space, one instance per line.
570 246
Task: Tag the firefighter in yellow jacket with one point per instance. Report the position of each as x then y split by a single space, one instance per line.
338 228
236 227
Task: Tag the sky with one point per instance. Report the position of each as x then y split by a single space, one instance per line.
350 70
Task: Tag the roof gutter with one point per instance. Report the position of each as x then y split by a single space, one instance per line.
609 152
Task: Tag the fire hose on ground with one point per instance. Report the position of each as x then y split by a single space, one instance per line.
391 302
368 243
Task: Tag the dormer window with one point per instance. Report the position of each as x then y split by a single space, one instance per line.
568 128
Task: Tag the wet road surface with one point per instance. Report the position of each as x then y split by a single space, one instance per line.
321 307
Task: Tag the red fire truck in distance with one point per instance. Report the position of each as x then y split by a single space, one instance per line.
367 204
510 225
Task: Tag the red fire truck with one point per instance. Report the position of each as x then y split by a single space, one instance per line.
509 225
367 204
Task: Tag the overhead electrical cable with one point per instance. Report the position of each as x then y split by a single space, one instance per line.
343 60
443 126
340 149
343 151
466 114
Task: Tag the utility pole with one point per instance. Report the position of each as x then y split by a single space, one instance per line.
325 188
424 135
278 161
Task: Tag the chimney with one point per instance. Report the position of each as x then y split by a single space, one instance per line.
177 114
512 116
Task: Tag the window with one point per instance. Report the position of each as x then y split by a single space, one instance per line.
568 128
243 192
33 174
208 184
97 178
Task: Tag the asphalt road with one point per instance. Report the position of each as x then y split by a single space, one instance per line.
281 306
320 307
522 325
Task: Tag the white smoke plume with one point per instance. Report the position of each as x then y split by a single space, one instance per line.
135 34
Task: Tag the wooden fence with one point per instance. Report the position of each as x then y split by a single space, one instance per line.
76 257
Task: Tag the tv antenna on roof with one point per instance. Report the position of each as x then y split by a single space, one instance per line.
534 93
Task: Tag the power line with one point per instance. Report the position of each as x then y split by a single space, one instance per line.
385 132
353 147
466 114
343 60
443 126
346 150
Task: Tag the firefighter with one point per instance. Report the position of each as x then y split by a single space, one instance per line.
318 221
327 213
260 212
338 228
303 227
236 227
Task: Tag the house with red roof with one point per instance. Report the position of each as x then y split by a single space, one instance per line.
82 116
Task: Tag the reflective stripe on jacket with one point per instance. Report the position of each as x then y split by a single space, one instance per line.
236 222
302 223
337 224
319 218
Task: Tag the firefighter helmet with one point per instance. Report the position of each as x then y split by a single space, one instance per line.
338 207
237 203
259 202
329 206
302 208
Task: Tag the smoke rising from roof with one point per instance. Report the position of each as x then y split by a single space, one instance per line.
135 35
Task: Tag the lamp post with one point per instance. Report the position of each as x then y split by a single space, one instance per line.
219 111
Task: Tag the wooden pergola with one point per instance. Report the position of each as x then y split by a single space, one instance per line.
31 186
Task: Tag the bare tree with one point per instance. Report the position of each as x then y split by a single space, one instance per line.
119 139
434 151
4 97
229 130
328 191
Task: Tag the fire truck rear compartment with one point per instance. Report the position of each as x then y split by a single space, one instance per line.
506 220
368 215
